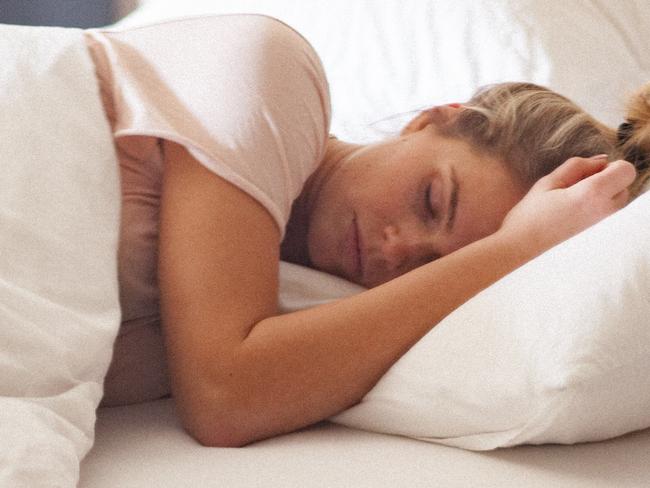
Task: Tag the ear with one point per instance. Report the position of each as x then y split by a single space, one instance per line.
418 123
440 114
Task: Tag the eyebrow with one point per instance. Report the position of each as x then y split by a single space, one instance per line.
453 202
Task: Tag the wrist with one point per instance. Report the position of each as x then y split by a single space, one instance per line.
517 247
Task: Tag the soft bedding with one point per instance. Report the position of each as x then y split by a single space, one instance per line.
59 215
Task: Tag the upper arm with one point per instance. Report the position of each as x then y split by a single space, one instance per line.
257 114
218 276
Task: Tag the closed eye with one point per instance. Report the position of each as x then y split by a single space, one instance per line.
427 202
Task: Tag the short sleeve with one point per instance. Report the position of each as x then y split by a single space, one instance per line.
245 94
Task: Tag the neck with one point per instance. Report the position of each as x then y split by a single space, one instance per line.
294 247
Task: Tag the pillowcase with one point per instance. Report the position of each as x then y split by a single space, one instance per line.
59 215
388 59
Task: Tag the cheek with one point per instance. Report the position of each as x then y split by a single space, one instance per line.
373 198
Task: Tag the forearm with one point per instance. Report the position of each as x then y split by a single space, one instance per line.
296 369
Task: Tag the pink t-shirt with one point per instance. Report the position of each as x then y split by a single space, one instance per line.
245 94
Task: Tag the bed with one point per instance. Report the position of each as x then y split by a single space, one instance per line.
385 61
144 445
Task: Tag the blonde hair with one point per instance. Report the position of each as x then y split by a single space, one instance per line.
534 129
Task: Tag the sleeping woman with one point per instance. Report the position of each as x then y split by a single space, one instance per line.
221 125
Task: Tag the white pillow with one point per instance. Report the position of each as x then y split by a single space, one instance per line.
556 352
386 58
59 215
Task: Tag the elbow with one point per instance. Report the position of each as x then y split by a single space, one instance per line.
217 427
223 436
220 413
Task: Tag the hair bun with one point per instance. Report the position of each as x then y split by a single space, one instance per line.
638 118
634 134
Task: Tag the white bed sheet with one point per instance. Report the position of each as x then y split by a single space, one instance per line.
144 446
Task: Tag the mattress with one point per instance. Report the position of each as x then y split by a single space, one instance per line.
145 446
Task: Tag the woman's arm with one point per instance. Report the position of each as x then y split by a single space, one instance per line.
239 371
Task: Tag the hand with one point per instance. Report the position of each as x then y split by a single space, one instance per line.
576 195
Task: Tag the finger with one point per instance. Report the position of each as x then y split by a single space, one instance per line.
574 170
611 181
621 199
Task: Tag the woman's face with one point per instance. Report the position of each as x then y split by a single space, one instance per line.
388 208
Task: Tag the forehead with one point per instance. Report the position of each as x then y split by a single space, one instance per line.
453 150
476 167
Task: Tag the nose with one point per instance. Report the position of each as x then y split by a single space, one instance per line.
406 248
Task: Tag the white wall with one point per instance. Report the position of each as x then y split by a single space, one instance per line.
68 13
